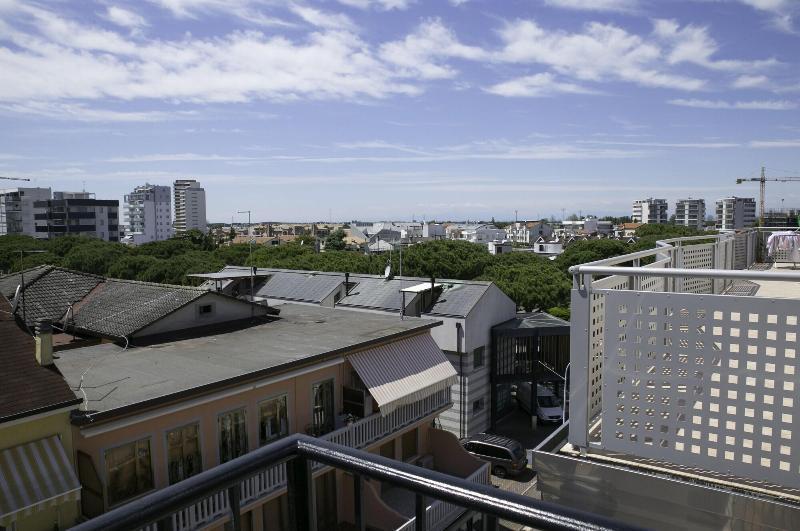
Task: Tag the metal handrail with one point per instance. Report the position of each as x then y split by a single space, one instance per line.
746 274
300 450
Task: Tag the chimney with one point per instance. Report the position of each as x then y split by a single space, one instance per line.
44 343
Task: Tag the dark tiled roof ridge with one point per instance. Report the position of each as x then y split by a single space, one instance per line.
155 284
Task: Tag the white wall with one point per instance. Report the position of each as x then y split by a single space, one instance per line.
225 309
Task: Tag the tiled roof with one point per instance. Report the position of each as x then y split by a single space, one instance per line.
27 387
50 290
119 308
9 283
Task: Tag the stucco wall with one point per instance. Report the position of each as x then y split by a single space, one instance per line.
297 389
225 309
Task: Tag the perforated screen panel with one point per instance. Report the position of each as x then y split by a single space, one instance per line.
705 381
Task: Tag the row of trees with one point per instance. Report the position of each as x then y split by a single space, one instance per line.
531 281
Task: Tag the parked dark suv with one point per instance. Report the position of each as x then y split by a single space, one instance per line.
507 456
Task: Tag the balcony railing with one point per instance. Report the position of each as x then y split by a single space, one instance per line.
358 435
298 451
670 362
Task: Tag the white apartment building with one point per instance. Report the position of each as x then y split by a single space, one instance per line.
77 214
16 210
736 213
528 231
691 213
148 214
650 211
190 206
588 225
480 233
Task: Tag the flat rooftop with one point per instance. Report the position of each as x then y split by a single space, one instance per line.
115 378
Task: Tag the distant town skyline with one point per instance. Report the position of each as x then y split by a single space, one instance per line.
393 109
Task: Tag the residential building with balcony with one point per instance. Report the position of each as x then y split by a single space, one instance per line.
735 213
468 310
683 389
39 489
190 206
17 211
589 226
528 232
691 213
650 211
77 214
157 413
148 214
782 218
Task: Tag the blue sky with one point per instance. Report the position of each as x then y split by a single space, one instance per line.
380 109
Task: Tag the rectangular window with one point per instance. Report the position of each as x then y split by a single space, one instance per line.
409 443
232 435
273 420
322 408
205 309
129 471
477 357
183 453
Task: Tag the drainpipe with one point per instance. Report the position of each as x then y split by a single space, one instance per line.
462 412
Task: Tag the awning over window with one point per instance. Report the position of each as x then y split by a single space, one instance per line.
403 372
33 476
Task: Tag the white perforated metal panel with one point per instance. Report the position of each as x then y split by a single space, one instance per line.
706 381
697 257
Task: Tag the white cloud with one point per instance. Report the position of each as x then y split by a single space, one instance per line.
747 81
94 64
680 145
386 5
595 5
322 19
82 113
180 157
790 143
601 52
763 105
421 53
457 3
125 18
537 85
693 44
250 11
782 11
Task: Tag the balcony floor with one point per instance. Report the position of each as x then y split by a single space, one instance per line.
779 289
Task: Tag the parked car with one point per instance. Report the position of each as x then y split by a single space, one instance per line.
549 407
506 456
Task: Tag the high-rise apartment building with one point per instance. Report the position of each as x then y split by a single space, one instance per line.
190 206
691 213
736 213
148 213
16 210
650 211
77 213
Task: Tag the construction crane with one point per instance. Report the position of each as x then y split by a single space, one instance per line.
763 188
14 178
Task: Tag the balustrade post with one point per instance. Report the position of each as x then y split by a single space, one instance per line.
234 495
421 520
299 488
358 499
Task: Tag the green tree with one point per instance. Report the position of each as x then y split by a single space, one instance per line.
335 241
533 282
